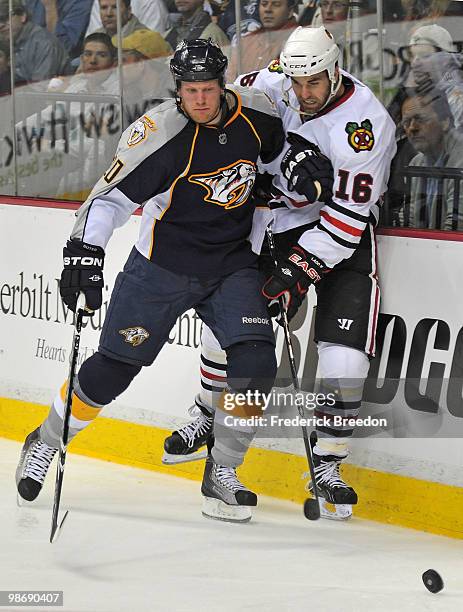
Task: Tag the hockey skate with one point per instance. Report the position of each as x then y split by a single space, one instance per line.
225 497
36 458
335 496
185 444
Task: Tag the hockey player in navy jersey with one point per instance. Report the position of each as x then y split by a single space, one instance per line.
191 164
324 214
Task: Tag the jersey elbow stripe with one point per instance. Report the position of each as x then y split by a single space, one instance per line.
341 241
339 225
348 212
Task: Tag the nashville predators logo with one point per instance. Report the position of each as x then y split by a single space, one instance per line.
134 335
139 130
230 186
360 137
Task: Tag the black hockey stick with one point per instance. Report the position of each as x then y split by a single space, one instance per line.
311 505
67 415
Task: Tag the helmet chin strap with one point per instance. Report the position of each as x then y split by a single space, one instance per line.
335 86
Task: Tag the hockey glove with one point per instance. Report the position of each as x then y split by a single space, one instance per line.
307 170
83 272
292 278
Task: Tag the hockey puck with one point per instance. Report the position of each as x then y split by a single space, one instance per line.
432 581
311 509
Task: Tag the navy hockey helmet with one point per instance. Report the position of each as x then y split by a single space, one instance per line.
198 60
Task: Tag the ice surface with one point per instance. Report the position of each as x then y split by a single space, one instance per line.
136 541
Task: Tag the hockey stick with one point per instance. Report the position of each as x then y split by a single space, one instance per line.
311 505
67 415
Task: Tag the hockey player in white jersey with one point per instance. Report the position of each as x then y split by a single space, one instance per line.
326 207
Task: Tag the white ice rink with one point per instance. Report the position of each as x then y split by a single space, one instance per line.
135 541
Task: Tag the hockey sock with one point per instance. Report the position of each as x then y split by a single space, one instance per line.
83 412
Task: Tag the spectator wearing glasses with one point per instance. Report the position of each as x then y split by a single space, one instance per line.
38 55
427 122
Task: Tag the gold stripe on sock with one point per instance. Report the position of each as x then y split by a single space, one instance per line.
238 408
80 410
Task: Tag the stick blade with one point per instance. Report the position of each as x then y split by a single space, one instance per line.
56 529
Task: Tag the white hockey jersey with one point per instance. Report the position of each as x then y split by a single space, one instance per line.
357 135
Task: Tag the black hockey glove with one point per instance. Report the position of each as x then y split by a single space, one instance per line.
307 170
83 272
293 277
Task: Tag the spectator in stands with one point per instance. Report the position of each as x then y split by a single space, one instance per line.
5 70
261 47
146 81
436 66
98 58
152 14
327 13
108 15
250 21
143 45
192 21
38 55
427 122
66 19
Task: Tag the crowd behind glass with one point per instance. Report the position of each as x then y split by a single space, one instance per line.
75 73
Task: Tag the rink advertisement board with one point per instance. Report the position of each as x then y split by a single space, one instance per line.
415 382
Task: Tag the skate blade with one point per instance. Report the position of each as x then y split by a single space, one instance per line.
220 511
334 512
168 459
24 503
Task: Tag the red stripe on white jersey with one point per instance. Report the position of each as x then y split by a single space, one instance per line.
348 229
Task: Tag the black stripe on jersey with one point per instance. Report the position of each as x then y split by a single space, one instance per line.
348 212
274 205
344 243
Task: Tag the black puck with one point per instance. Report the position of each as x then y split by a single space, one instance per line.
432 581
311 509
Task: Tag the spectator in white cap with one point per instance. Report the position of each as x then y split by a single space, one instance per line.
436 66
430 39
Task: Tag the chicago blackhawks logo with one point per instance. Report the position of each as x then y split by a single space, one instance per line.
274 66
360 137
230 186
134 335
138 131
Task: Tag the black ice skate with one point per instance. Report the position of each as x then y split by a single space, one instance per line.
185 443
336 497
225 497
36 457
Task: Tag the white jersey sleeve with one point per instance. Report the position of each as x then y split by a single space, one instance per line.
358 137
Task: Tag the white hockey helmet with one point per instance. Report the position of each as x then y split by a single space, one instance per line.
309 51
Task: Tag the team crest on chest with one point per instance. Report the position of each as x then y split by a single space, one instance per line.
139 130
230 186
360 137
134 335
